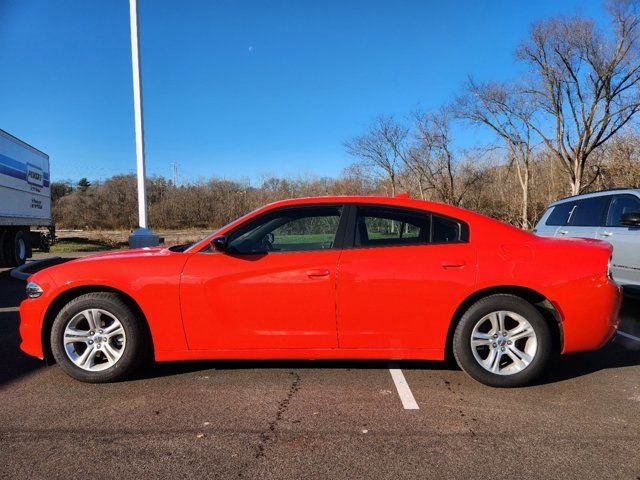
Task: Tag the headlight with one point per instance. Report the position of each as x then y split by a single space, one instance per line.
33 290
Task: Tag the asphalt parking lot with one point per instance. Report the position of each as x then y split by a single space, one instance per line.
319 419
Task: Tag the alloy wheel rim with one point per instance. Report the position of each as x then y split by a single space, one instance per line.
94 340
504 342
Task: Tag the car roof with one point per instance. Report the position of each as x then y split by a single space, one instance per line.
600 193
479 221
397 201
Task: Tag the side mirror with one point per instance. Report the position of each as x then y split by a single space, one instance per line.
219 244
630 219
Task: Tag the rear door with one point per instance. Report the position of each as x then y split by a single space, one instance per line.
585 217
625 265
402 278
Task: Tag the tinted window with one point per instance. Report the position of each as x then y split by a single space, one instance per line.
589 212
388 226
288 230
445 230
384 226
560 214
620 205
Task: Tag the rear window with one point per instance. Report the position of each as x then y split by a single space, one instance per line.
589 212
560 214
445 230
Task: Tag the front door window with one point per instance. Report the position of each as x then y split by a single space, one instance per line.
289 230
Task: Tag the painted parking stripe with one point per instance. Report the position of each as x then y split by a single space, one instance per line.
628 335
404 392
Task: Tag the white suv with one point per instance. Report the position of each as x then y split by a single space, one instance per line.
611 215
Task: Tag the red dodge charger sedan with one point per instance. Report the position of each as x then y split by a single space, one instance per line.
331 277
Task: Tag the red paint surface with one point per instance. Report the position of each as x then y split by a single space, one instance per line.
384 302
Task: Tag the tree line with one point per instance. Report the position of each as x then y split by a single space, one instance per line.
111 204
566 126
489 187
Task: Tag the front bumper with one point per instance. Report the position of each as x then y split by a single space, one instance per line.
31 329
32 313
31 316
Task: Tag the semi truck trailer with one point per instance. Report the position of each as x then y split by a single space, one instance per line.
25 200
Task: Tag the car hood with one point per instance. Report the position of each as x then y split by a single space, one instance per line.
101 266
126 254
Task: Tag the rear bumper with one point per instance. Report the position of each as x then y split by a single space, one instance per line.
590 314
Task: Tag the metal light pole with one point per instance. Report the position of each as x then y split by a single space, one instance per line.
142 237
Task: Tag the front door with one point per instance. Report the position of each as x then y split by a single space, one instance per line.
625 262
273 287
399 285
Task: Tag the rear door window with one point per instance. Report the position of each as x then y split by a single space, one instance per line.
590 212
389 226
560 214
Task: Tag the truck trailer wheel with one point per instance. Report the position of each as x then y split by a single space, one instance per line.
3 237
16 248
45 243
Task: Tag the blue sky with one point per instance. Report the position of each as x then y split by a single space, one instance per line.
238 89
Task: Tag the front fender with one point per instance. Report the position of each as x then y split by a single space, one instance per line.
152 283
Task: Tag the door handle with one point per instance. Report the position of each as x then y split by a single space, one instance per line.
563 232
319 272
450 264
606 234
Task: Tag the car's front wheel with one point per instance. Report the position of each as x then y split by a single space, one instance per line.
97 338
503 341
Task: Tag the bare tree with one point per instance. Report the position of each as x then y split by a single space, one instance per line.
584 84
503 109
433 161
619 161
382 148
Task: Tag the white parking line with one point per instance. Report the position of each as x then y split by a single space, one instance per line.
404 392
628 335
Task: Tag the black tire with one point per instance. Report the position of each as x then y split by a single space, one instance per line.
16 248
45 243
3 238
29 245
137 342
464 355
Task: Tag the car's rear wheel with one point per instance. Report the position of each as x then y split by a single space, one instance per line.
97 338
503 341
